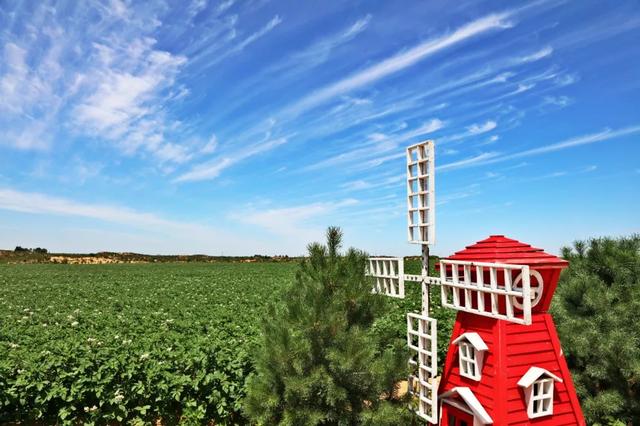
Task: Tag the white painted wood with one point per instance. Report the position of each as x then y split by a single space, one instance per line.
422 339
533 374
471 351
421 193
538 385
472 402
388 274
460 292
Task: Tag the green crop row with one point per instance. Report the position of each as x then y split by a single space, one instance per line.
130 343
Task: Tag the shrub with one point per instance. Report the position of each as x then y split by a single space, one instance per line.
319 361
596 309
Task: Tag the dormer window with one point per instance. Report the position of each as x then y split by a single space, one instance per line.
471 349
538 385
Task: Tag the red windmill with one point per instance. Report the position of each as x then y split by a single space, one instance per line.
499 371
504 365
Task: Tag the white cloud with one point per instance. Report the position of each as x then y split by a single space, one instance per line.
478 159
490 158
558 101
225 5
294 221
212 169
319 52
430 126
356 185
566 79
401 61
32 202
142 230
210 146
247 41
536 56
122 93
476 129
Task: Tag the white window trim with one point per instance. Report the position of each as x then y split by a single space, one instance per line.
471 349
480 415
539 387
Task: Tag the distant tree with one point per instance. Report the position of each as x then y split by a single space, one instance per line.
596 309
40 250
19 249
319 361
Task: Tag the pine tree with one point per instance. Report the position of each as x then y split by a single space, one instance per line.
596 308
319 362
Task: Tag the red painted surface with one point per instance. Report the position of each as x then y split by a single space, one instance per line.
514 348
452 416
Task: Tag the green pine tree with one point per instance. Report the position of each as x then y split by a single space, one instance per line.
597 311
319 362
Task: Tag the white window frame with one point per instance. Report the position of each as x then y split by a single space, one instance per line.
539 388
468 361
541 399
471 349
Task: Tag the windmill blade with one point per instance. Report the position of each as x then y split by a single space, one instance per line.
422 339
388 273
421 193
495 290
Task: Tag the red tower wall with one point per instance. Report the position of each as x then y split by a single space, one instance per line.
513 349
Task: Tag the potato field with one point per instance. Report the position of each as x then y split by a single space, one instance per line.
146 343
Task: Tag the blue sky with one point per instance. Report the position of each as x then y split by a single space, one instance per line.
241 127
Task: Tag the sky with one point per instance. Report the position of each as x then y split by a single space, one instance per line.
247 127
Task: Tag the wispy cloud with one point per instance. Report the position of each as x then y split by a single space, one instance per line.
536 56
483 158
490 158
476 129
375 151
472 130
212 169
33 202
320 51
401 61
294 222
122 91
252 38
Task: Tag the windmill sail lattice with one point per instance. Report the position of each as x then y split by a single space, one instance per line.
421 193
500 291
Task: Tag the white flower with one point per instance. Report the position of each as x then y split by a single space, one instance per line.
144 355
118 397
75 324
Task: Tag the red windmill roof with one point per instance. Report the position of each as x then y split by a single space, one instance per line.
500 249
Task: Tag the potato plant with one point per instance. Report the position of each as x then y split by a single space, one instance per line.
98 344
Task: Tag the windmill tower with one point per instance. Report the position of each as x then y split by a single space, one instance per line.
504 365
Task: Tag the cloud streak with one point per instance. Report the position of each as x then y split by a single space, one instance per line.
212 169
401 61
491 158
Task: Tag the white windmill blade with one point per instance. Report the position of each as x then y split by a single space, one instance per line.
495 290
388 273
421 193
422 339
